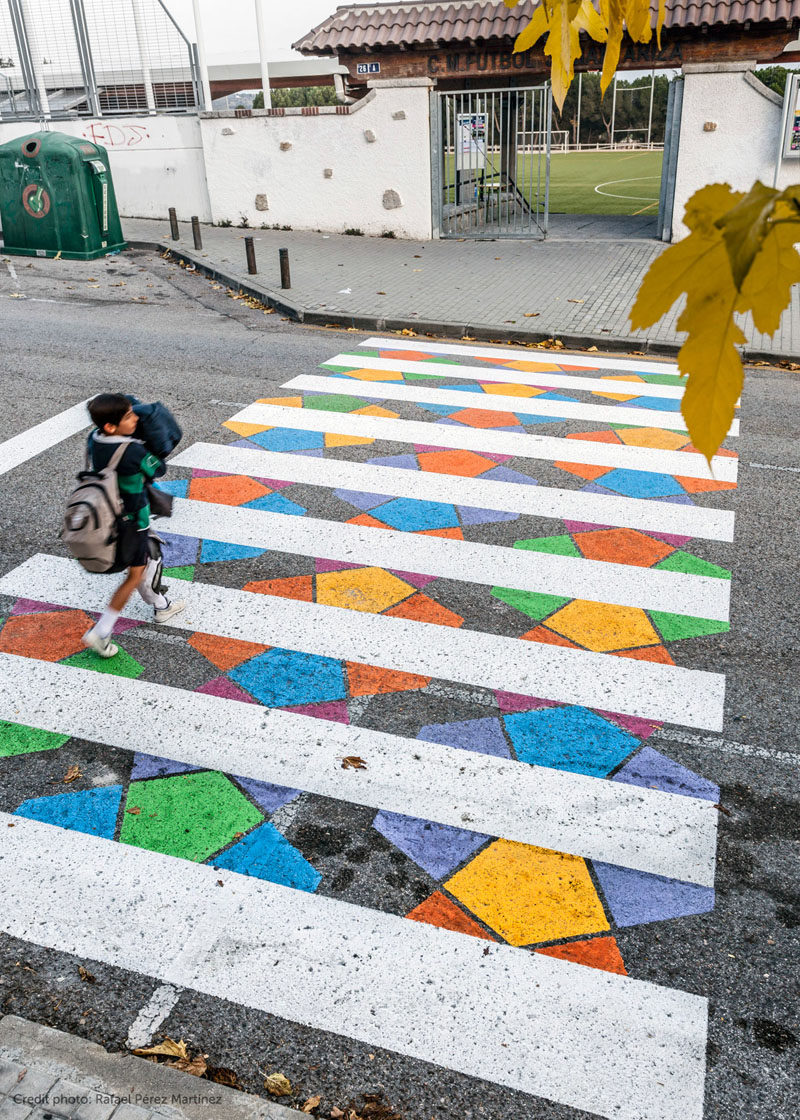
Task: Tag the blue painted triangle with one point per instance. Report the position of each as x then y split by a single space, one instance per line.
211 551
87 810
267 854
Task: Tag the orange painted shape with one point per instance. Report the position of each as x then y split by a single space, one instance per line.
424 609
722 451
439 911
583 470
370 680
227 489
597 952
512 390
294 587
334 440
374 375
622 546
597 437
623 377
375 410
661 438
289 402
616 396
578 369
453 534
703 485
225 653
603 627
650 653
244 429
366 519
467 464
49 636
477 418
542 634
534 367
406 355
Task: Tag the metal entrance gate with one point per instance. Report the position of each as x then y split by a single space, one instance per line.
491 162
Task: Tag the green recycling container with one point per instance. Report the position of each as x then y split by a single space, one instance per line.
57 197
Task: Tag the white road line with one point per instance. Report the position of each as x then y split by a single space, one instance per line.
508 353
537 501
12 272
42 436
152 1015
773 467
469 562
789 757
490 402
619 684
687 464
588 1039
552 379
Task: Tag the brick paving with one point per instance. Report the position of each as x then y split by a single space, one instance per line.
578 285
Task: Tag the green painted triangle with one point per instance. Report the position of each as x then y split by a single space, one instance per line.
680 561
531 603
122 665
663 378
16 738
445 361
333 402
676 626
562 545
423 376
338 369
186 572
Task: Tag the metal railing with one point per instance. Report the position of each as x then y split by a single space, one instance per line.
93 58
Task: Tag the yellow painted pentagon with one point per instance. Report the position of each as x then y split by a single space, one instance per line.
245 429
653 437
603 627
362 589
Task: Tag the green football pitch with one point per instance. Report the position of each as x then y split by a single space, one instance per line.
605 182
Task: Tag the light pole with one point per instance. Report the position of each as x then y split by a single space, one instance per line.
201 56
262 52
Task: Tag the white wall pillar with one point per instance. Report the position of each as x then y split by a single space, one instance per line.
262 52
37 57
144 55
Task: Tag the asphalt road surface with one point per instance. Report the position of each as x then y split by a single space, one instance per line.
346 728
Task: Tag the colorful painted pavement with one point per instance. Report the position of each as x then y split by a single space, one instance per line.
560 903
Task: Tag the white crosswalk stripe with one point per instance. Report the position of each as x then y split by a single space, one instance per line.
620 1048
491 402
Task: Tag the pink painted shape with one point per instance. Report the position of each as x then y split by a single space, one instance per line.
221 686
334 710
122 625
514 702
669 538
416 580
583 526
334 566
196 473
31 606
496 458
641 728
420 448
274 483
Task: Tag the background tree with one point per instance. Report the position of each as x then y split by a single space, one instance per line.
298 96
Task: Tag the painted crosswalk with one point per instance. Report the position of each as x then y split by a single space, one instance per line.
19 449
323 657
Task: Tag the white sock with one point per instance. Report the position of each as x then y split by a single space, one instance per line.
160 602
105 623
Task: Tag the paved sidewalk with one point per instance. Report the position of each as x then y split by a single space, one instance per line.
579 291
49 1075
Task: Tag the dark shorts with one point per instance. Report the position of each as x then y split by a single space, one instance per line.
133 548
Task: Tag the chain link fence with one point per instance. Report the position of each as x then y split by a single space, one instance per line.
91 58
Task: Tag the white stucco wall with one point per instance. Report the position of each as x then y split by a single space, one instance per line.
156 161
744 145
382 145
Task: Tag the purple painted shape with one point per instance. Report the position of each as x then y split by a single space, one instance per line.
471 515
403 462
359 500
653 770
676 499
482 735
333 566
245 443
149 766
437 848
311 452
506 474
414 578
583 526
421 448
593 488
495 458
268 797
123 625
274 483
515 702
333 710
197 473
178 551
31 606
634 897
225 688
641 728
669 538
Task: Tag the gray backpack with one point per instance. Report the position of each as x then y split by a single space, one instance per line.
90 527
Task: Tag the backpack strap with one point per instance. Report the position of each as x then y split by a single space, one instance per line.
116 458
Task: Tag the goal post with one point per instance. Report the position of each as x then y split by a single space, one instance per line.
528 141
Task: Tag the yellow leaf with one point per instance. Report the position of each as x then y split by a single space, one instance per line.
672 274
767 288
637 20
744 228
278 1085
533 32
709 204
165 1049
311 1104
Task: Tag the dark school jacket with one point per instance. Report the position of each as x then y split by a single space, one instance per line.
137 467
158 429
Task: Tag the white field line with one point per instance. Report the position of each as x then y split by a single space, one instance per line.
592 1040
509 353
552 379
479 493
469 562
596 680
491 402
42 436
526 445
648 830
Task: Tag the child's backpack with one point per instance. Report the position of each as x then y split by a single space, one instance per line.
90 527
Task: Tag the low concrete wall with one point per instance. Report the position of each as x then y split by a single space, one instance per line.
156 162
744 145
364 166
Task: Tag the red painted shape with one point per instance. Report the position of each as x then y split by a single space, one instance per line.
439 911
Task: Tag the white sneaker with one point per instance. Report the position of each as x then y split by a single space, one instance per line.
170 610
103 647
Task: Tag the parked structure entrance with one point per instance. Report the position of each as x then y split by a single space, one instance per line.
491 162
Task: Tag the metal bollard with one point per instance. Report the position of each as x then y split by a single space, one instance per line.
286 279
198 240
173 224
250 250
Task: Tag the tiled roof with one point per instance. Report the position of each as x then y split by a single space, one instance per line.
426 23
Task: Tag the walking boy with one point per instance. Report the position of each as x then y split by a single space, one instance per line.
115 423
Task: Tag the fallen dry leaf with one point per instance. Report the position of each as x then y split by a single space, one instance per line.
336 1114
311 1104
278 1085
71 774
86 975
166 1049
532 314
221 1075
591 349
134 810
196 1066
353 762
576 301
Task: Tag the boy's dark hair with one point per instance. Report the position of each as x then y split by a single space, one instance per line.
108 408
